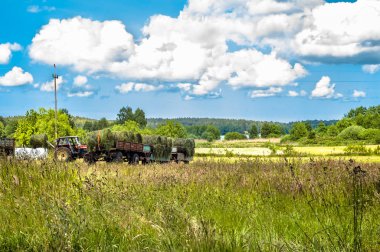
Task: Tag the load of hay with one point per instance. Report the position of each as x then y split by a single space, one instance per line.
185 145
106 139
162 146
39 141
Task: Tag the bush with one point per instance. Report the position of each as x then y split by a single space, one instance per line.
370 134
234 136
351 133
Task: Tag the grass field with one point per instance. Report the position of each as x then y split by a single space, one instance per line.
210 205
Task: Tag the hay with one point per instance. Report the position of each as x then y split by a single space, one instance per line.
185 145
108 138
38 141
162 146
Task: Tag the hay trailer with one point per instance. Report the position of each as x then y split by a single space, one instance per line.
7 147
179 154
69 148
121 151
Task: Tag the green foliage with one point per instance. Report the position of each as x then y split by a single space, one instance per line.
351 133
271 130
211 133
11 127
253 131
2 130
298 131
42 122
171 129
332 130
234 136
127 114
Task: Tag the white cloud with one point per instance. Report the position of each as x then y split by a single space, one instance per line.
138 87
344 32
80 94
371 68
265 93
125 87
293 93
6 51
86 45
358 94
37 9
49 86
324 89
80 81
16 77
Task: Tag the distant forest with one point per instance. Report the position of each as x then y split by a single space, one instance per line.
233 125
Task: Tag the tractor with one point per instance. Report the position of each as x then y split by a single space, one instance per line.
69 148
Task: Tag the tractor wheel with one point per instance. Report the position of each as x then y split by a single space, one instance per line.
62 155
135 159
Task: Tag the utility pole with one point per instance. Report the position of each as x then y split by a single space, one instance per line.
55 77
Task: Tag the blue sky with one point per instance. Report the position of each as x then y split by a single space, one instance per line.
260 60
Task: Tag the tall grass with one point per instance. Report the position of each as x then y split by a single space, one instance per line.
249 205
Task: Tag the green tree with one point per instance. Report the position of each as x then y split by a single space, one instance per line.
139 117
332 130
42 122
299 130
102 123
88 126
172 129
125 114
211 133
271 130
234 136
253 132
11 127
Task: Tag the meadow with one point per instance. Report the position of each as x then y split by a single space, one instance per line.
251 204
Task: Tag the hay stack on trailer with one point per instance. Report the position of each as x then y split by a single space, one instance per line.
39 141
162 146
185 145
106 139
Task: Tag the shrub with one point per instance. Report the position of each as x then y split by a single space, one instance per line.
357 150
234 136
351 133
370 134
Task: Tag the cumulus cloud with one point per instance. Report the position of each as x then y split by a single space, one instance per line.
49 86
80 81
84 44
194 49
265 93
342 32
358 94
324 89
16 77
6 51
138 87
371 68
37 9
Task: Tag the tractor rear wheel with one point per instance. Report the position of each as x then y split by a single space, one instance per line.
62 154
118 158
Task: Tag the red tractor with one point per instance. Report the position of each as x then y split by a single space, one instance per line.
69 148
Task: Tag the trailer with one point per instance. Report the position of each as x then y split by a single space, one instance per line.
123 151
7 147
179 154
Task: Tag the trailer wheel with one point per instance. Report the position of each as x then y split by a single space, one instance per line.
135 159
89 158
118 157
62 154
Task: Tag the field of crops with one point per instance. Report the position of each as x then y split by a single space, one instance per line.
210 205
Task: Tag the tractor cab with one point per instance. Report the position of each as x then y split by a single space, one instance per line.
69 148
